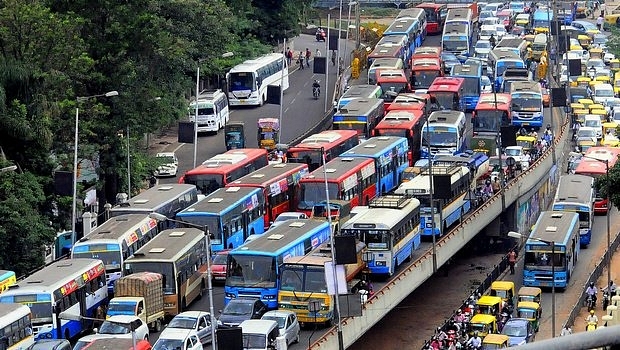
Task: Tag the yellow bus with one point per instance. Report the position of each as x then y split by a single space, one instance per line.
7 279
180 255
15 326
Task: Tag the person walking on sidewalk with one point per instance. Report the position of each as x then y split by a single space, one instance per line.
317 53
512 260
308 53
333 57
301 59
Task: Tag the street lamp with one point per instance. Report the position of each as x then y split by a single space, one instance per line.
75 154
552 244
133 325
205 230
352 3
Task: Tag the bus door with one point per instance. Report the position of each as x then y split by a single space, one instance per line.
245 221
80 294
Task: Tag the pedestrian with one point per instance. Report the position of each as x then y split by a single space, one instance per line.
301 59
566 331
308 53
599 22
333 57
317 53
289 56
512 260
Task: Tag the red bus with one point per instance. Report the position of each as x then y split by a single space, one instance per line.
424 70
219 170
392 83
435 16
492 112
351 179
333 143
279 183
386 51
403 123
448 92
593 164
426 52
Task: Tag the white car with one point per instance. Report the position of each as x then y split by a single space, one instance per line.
198 321
287 323
519 156
116 327
482 47
178 339
168 164
287 215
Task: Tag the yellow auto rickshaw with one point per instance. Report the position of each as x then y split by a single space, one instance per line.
483 324
610 139
504 289
495 341
603 78
595 106
585 144
601 114
617 83
531 311
489 305
585 41
580 114
610 20
527 142
583 81
574 44
614 65
596 53
586 102
576 105
530 294
595 82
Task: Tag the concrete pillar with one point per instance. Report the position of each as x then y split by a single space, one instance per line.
89 222
607 321
612 310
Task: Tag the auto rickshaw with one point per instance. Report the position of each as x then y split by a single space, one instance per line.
530 294
527 142
580 114
268 133
531 311
601 113
603 78
495 341
584 41
610 21
595 106
504 289
614 65
610 139
595 82
489 305
586 102
583 81
617 83
584 145
483 324
234 135
596 53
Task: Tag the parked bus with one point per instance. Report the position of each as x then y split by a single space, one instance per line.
303 277
435 16
448 91
361 115
15 327
527 104
390 228
168 200
451 184
114 241
405 123
213 112
492 112
471 73
180 255
443 133
350 179
280 184
76 286
231 214
562 228
424 71
254 269
358 92
590 166
331 142
248 81
389 154
575 194
7 279
219 170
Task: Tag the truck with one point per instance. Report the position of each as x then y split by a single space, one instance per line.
140 294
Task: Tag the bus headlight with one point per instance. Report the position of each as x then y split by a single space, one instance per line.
271 297
230 295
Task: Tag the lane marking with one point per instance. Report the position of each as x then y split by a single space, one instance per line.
178 147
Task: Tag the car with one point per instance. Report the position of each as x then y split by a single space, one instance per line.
482 46
198 321
546 97
50 344
594 121
491 21
586 133
287 215
519 156
584 25
218 265
519 331
116 326
287 323
239 310
178 339
168 164
523 19
449 60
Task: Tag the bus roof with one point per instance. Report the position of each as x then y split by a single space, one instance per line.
409 13
6 309
552 226
280 237
524 86
377 146
446 84
444 116
393 40
431 5
574 188
405 124
319 256
383 213
325 138
385 50
153 198
403 114
340 168
361 106
472 69
168 245
118 226
252 65
494 102
56 275
222 163
424 62
363 90
4 274
265 176
420 185
219 200
400 26
503 53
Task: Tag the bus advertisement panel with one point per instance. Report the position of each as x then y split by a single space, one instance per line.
443 133
332 143
542 267
448 92
7 279
217 171
349 179
230 214
575 194
361 115
405 123
248 81
594 163
471 73
435 16
253 270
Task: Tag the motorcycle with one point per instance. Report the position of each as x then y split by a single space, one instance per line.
320 35
591 326
605 300
504 317
590 302
316 91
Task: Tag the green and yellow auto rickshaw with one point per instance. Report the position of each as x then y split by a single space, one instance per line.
530 311
483 324
528 143
495 341
530 294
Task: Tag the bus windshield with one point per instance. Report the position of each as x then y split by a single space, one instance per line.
206 183
424 78
445 99
487 120
212 222
391 90
526 103
375 239
307 157
41 310
251 271
431 15
241 81
164 268
543 259
503 65
454 44
314 192
440 138
111 258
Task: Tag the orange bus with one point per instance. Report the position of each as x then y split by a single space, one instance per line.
333 143
594 163
424 70
435 16
448 91
403 123
492 112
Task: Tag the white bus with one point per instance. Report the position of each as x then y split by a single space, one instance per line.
114 241
248 81
213 112
76 286
15 327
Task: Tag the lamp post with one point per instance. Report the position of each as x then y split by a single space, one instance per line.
552 244
133 325
352 3
205 230
75 155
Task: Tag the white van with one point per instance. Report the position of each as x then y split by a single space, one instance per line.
213 111
603 93
259 334
594 121
383 63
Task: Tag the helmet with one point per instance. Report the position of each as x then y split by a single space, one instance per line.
591 312
591 284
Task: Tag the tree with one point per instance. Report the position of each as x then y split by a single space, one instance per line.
614 177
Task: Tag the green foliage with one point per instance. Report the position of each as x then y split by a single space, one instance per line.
614 177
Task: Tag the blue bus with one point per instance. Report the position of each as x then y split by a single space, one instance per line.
231 214
390 156
575 194
75 286
542 20
253 269
562 228
476 162
390 228
409 27
471 72
451 198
